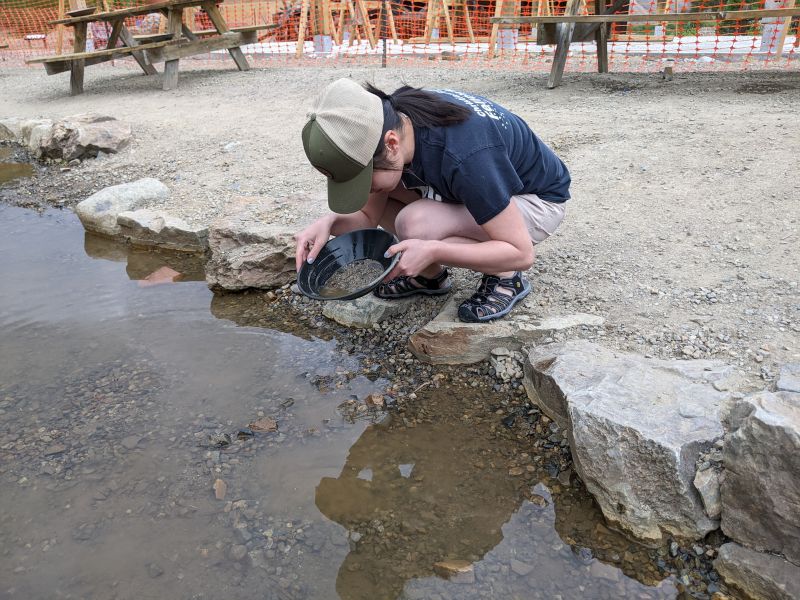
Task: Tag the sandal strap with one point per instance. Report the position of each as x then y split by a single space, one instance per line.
433 282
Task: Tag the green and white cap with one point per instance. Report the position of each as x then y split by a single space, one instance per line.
340 137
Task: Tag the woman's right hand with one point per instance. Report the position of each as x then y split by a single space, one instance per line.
311 240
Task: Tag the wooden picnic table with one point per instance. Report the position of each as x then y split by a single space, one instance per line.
178 42
604 16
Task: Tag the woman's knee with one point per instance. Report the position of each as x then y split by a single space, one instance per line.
411 222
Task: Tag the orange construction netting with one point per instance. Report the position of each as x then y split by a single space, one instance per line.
458 32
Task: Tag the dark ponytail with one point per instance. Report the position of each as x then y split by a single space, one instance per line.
423 108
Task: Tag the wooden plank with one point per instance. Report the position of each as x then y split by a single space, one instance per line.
113 37
107 52
186 49
562 47
76 69
175 20
123 13
219 22
601 38
127 39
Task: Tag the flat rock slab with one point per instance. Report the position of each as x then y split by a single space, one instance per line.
761 487
636 427
758 576
146 227
99 212
366 311
447 340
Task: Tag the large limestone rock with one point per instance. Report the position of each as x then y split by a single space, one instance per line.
761 488
99 212
447 340
252 242
147 227
82 136
636 428
758 576
366 311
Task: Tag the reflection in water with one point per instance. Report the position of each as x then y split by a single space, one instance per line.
417 496
143 262
440 491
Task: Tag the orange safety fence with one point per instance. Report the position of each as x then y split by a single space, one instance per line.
456 32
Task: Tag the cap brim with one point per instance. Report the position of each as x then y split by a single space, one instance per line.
349 196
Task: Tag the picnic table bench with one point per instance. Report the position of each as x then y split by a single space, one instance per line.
597 25
178 42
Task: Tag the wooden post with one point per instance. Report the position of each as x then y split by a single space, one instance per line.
601 38
60 28
219 24
76 72
562 47
503 8
171 66
301 29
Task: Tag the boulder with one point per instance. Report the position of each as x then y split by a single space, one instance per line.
789 378
636 427
249 249
99 212
145 227
366 311
761 489
82 136
446 340
758 576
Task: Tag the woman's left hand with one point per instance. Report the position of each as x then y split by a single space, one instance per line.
417 255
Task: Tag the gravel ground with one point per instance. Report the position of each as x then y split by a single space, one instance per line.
683 227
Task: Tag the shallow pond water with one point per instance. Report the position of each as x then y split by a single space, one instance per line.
117 393
10 171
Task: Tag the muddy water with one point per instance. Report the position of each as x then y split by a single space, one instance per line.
12 170
116 396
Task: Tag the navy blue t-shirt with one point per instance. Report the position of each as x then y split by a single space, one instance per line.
485 160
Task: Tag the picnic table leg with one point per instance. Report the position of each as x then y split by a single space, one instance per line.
76 71
127 39
562 48
219 23
601 38
171 66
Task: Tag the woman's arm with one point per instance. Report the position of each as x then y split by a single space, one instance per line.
311 240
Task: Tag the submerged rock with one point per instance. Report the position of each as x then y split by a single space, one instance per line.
761 490
636 428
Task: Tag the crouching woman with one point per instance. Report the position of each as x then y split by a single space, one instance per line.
461 182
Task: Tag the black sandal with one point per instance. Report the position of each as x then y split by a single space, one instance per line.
487 303
402 287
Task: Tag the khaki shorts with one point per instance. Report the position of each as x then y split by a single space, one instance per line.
541 217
